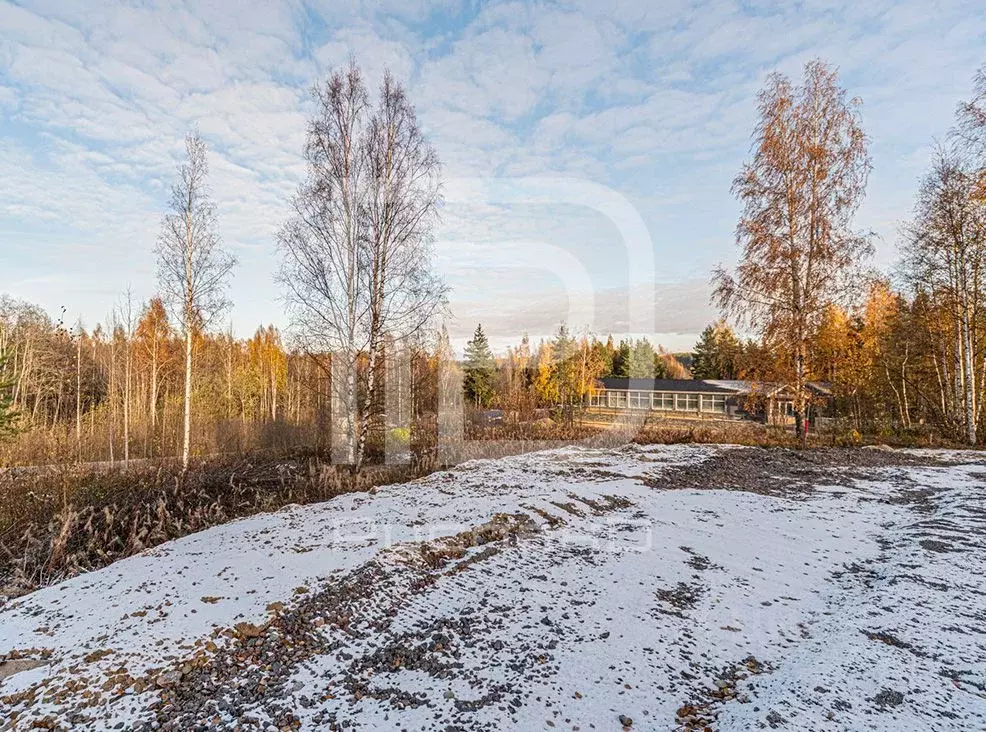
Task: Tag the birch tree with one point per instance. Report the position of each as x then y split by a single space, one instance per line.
193 266
944 257
401 211
8 415
356 266
127 319
322 256
799 192
971 131
153 332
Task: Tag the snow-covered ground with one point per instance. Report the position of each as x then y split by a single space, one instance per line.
572 589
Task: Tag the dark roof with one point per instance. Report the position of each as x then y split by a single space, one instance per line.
692 385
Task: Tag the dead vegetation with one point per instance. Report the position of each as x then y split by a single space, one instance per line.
788 472
58 522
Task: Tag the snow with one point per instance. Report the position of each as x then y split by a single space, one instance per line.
862 598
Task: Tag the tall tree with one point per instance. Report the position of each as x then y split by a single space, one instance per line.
193 266
592 364
945 257
127 317
717 353
971 131
643 360
356 257
153 332
621 360
799 192
480 369
401 210
8 415
565 366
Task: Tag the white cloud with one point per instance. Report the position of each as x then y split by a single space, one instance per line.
655 100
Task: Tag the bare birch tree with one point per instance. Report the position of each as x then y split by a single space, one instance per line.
945 258
193 266
971 131
79 336
356 264
320 245
800 192
127 319
401 210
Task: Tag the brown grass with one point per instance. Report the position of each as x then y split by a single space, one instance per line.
57 522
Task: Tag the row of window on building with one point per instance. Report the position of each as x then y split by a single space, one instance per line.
659 400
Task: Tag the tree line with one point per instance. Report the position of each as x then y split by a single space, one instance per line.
357 278
558 372
116 392
903 350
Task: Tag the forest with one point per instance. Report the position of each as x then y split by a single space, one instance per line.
904 350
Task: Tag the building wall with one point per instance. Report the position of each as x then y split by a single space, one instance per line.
692 405
676 402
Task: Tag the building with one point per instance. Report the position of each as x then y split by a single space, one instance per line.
703 399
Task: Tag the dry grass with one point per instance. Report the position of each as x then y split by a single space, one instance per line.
57 522
734 433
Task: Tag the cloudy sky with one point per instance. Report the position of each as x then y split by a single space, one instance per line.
588 148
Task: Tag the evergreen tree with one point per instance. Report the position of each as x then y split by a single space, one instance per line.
621 360
563 346
717 353
8 417
565 370
480 370
643 360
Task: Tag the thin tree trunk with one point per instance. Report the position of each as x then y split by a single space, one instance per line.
127 385
186 449
78 399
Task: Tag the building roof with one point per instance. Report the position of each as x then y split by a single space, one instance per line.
744 386
683 385
766 388
708 386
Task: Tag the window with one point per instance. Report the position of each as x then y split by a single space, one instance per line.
686 402
639 400
617 399
713 403
597 399
663 400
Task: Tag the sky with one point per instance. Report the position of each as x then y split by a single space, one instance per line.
587 147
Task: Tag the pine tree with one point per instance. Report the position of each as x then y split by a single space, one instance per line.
621 360
564 366
8 417
716 355
480 369
563 346
642 360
